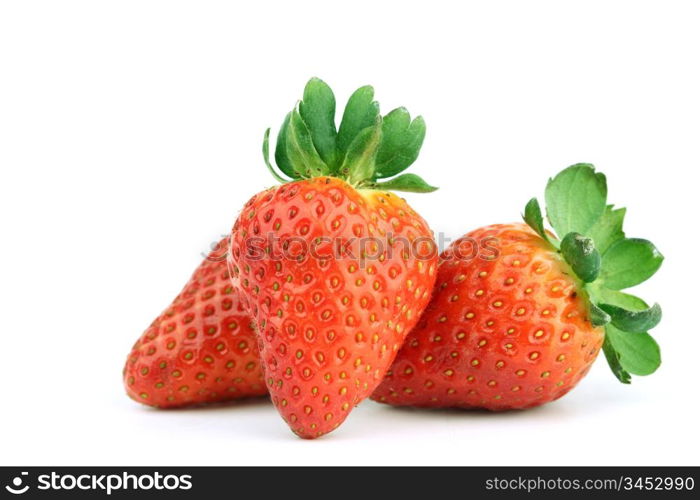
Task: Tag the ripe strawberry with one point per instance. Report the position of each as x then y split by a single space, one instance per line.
336 269
518 317
201 349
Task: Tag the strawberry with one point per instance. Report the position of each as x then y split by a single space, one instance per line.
518 316
201 349
336 270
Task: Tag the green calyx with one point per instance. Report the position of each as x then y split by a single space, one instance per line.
368 150
591 240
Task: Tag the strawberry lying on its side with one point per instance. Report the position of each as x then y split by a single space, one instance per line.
518 317
336 269
201 349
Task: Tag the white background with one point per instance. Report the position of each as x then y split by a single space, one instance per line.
130 136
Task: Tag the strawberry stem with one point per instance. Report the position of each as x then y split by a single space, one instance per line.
366 148
592 242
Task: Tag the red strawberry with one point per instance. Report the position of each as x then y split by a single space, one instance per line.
509 332
201 349
336 270
517 317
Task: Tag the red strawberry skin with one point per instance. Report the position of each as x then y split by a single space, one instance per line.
329 325
505 330
201 349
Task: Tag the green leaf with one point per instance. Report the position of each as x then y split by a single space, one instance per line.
266 157
301 151
410 183
614 297
358 165
638 353
361 112
401 143
633 321
613 359
580 253
318 111
281 157
533 217
575 199
598 316
628 262
608 229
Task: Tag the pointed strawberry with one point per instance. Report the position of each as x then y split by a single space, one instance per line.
335 268
201 349
518 316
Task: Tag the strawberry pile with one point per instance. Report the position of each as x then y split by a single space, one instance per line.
329 289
